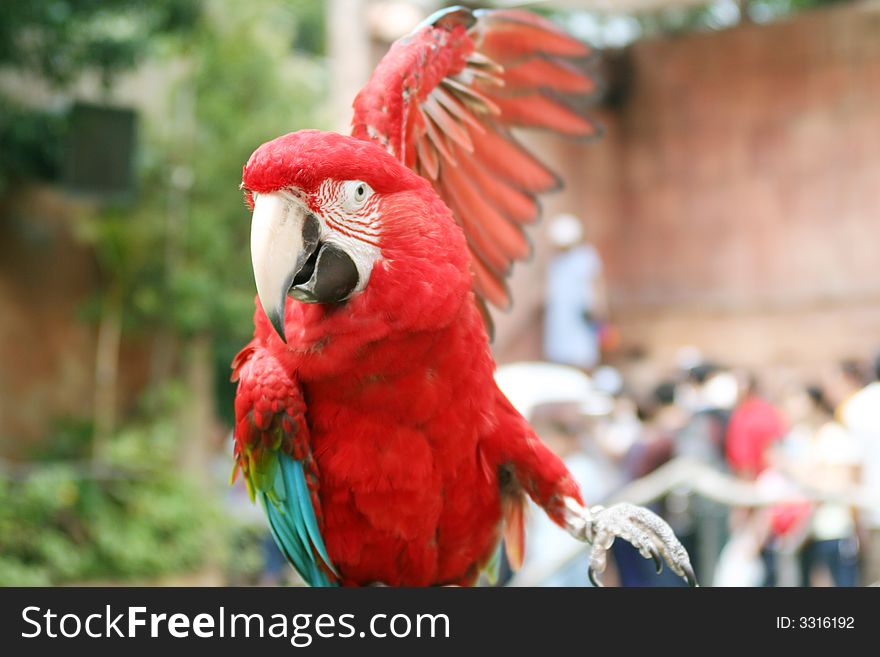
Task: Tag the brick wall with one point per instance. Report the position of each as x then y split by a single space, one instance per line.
736 195
48 286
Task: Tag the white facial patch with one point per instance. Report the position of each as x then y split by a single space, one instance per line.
350 220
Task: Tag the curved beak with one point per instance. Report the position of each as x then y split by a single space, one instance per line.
284 235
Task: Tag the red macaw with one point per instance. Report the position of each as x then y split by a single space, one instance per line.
368 421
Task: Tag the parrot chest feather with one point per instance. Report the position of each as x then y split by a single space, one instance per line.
405 499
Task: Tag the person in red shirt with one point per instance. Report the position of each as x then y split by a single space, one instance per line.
754 427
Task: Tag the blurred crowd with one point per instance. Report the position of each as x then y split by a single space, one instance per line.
808 451
813 447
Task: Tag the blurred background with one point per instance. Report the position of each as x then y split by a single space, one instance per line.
703 307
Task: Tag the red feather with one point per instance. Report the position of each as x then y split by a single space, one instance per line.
559 75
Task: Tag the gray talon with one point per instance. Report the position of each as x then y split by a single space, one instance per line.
647 532
593 579
689 576
658 562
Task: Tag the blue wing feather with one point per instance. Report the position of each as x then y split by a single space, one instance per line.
294 524
308 512
286 539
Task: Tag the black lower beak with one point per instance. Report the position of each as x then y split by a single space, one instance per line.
329 276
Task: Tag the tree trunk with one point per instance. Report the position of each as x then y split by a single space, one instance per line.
348 50
107 370
197 420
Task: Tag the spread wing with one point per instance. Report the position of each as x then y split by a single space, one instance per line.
273 452
443 101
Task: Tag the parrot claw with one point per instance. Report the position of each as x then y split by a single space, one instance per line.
644 529
689 575
658 561
593 579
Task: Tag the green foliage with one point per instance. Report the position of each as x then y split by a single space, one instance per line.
30 142
71 439
719 15
135 517
59 39
766 10
179 257
248 89
246 543
236 74
56 527
55 41
616 29
180 254
310 29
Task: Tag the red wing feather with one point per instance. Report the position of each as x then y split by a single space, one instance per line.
538 111
501 154
516 205
443 100
539 72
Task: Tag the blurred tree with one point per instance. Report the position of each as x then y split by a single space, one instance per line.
133 518
56 41
174 261
721 14
615 29
59 39
177 262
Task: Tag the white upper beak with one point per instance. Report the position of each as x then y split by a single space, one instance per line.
277 251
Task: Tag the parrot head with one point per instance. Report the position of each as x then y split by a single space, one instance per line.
327 210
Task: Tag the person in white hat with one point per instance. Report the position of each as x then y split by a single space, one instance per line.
575 297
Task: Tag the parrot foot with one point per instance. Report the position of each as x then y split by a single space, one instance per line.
644 529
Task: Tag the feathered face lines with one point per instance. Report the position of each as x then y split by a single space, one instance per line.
349 207
337 203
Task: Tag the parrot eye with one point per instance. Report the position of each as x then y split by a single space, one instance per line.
355 194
